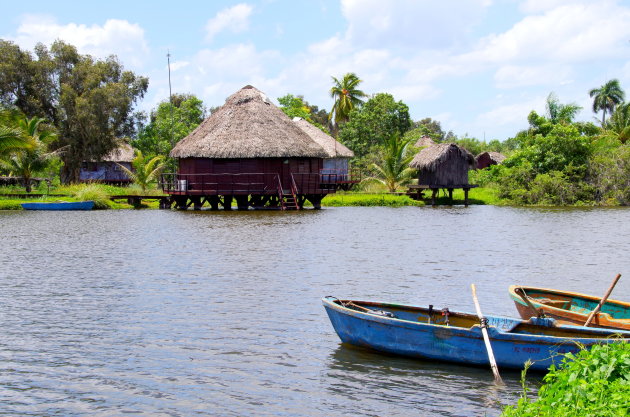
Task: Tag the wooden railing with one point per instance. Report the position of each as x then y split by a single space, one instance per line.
218 184
255 183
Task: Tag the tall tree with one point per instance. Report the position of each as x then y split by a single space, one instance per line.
89 101
560 113
379 118
169 122
347 96
606 97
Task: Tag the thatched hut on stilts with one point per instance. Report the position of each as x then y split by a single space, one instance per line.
446 166
248 150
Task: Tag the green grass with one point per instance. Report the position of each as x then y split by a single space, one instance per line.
476 196
593 382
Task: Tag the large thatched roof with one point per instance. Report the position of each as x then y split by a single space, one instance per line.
424 141
124 153
248 125
431 157
333 148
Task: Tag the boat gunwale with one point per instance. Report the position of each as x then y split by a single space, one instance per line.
495 332
604 319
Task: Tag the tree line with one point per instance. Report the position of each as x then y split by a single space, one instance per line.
59 108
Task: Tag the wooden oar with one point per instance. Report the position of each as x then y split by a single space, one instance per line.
602 301
486 338
521 292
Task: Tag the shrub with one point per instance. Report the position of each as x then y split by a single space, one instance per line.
593 382
95 193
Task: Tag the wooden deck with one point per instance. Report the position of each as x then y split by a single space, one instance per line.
417 191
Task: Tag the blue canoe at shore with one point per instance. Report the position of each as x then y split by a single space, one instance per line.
59 205
423 333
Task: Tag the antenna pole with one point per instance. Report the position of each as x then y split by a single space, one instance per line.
170 94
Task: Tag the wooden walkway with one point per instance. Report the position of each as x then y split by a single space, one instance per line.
417 191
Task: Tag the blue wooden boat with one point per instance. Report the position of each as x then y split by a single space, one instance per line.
457 337
59 205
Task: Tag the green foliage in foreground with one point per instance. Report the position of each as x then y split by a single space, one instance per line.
94 193
593 382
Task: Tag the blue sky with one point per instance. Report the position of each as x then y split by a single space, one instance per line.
477 66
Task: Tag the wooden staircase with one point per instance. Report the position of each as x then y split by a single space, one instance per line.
289 201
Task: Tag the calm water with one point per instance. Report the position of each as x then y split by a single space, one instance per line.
167 313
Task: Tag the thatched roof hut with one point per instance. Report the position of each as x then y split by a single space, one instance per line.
248 125
485 159
124 153
442 165
333 148
424 141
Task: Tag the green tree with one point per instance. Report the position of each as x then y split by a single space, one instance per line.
560 113
146 169
606 97
27 162
346 95
394 169
170 121
380 117
431 128
618 125
89 101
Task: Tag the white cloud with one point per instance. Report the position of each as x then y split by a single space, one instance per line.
177 65
571 33
410 23
119 37
512 114
234 19
537 6
513 76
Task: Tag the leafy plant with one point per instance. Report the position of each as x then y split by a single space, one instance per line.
593 382
145 170
394 169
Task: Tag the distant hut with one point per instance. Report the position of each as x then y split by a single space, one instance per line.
248 150
424 141
108 170
444 165
485 159
336 168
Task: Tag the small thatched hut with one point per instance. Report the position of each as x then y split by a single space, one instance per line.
443 165
250 150
424 141
107 170
338 154
485 159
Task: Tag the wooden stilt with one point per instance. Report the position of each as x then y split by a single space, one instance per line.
434 192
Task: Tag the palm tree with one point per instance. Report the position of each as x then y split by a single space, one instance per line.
394 170
11 136
346 95
145 170
618 125
28 160
607 97
561 113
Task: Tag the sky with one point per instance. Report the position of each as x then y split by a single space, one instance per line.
477 66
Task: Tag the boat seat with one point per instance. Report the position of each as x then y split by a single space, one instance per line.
564 304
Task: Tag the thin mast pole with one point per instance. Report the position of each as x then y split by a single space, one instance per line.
170 95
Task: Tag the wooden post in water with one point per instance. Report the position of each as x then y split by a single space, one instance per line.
486 338
602 301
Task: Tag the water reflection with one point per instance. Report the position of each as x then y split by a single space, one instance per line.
219 314
402 384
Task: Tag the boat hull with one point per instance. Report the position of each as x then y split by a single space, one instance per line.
572 308
79 205
451 343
